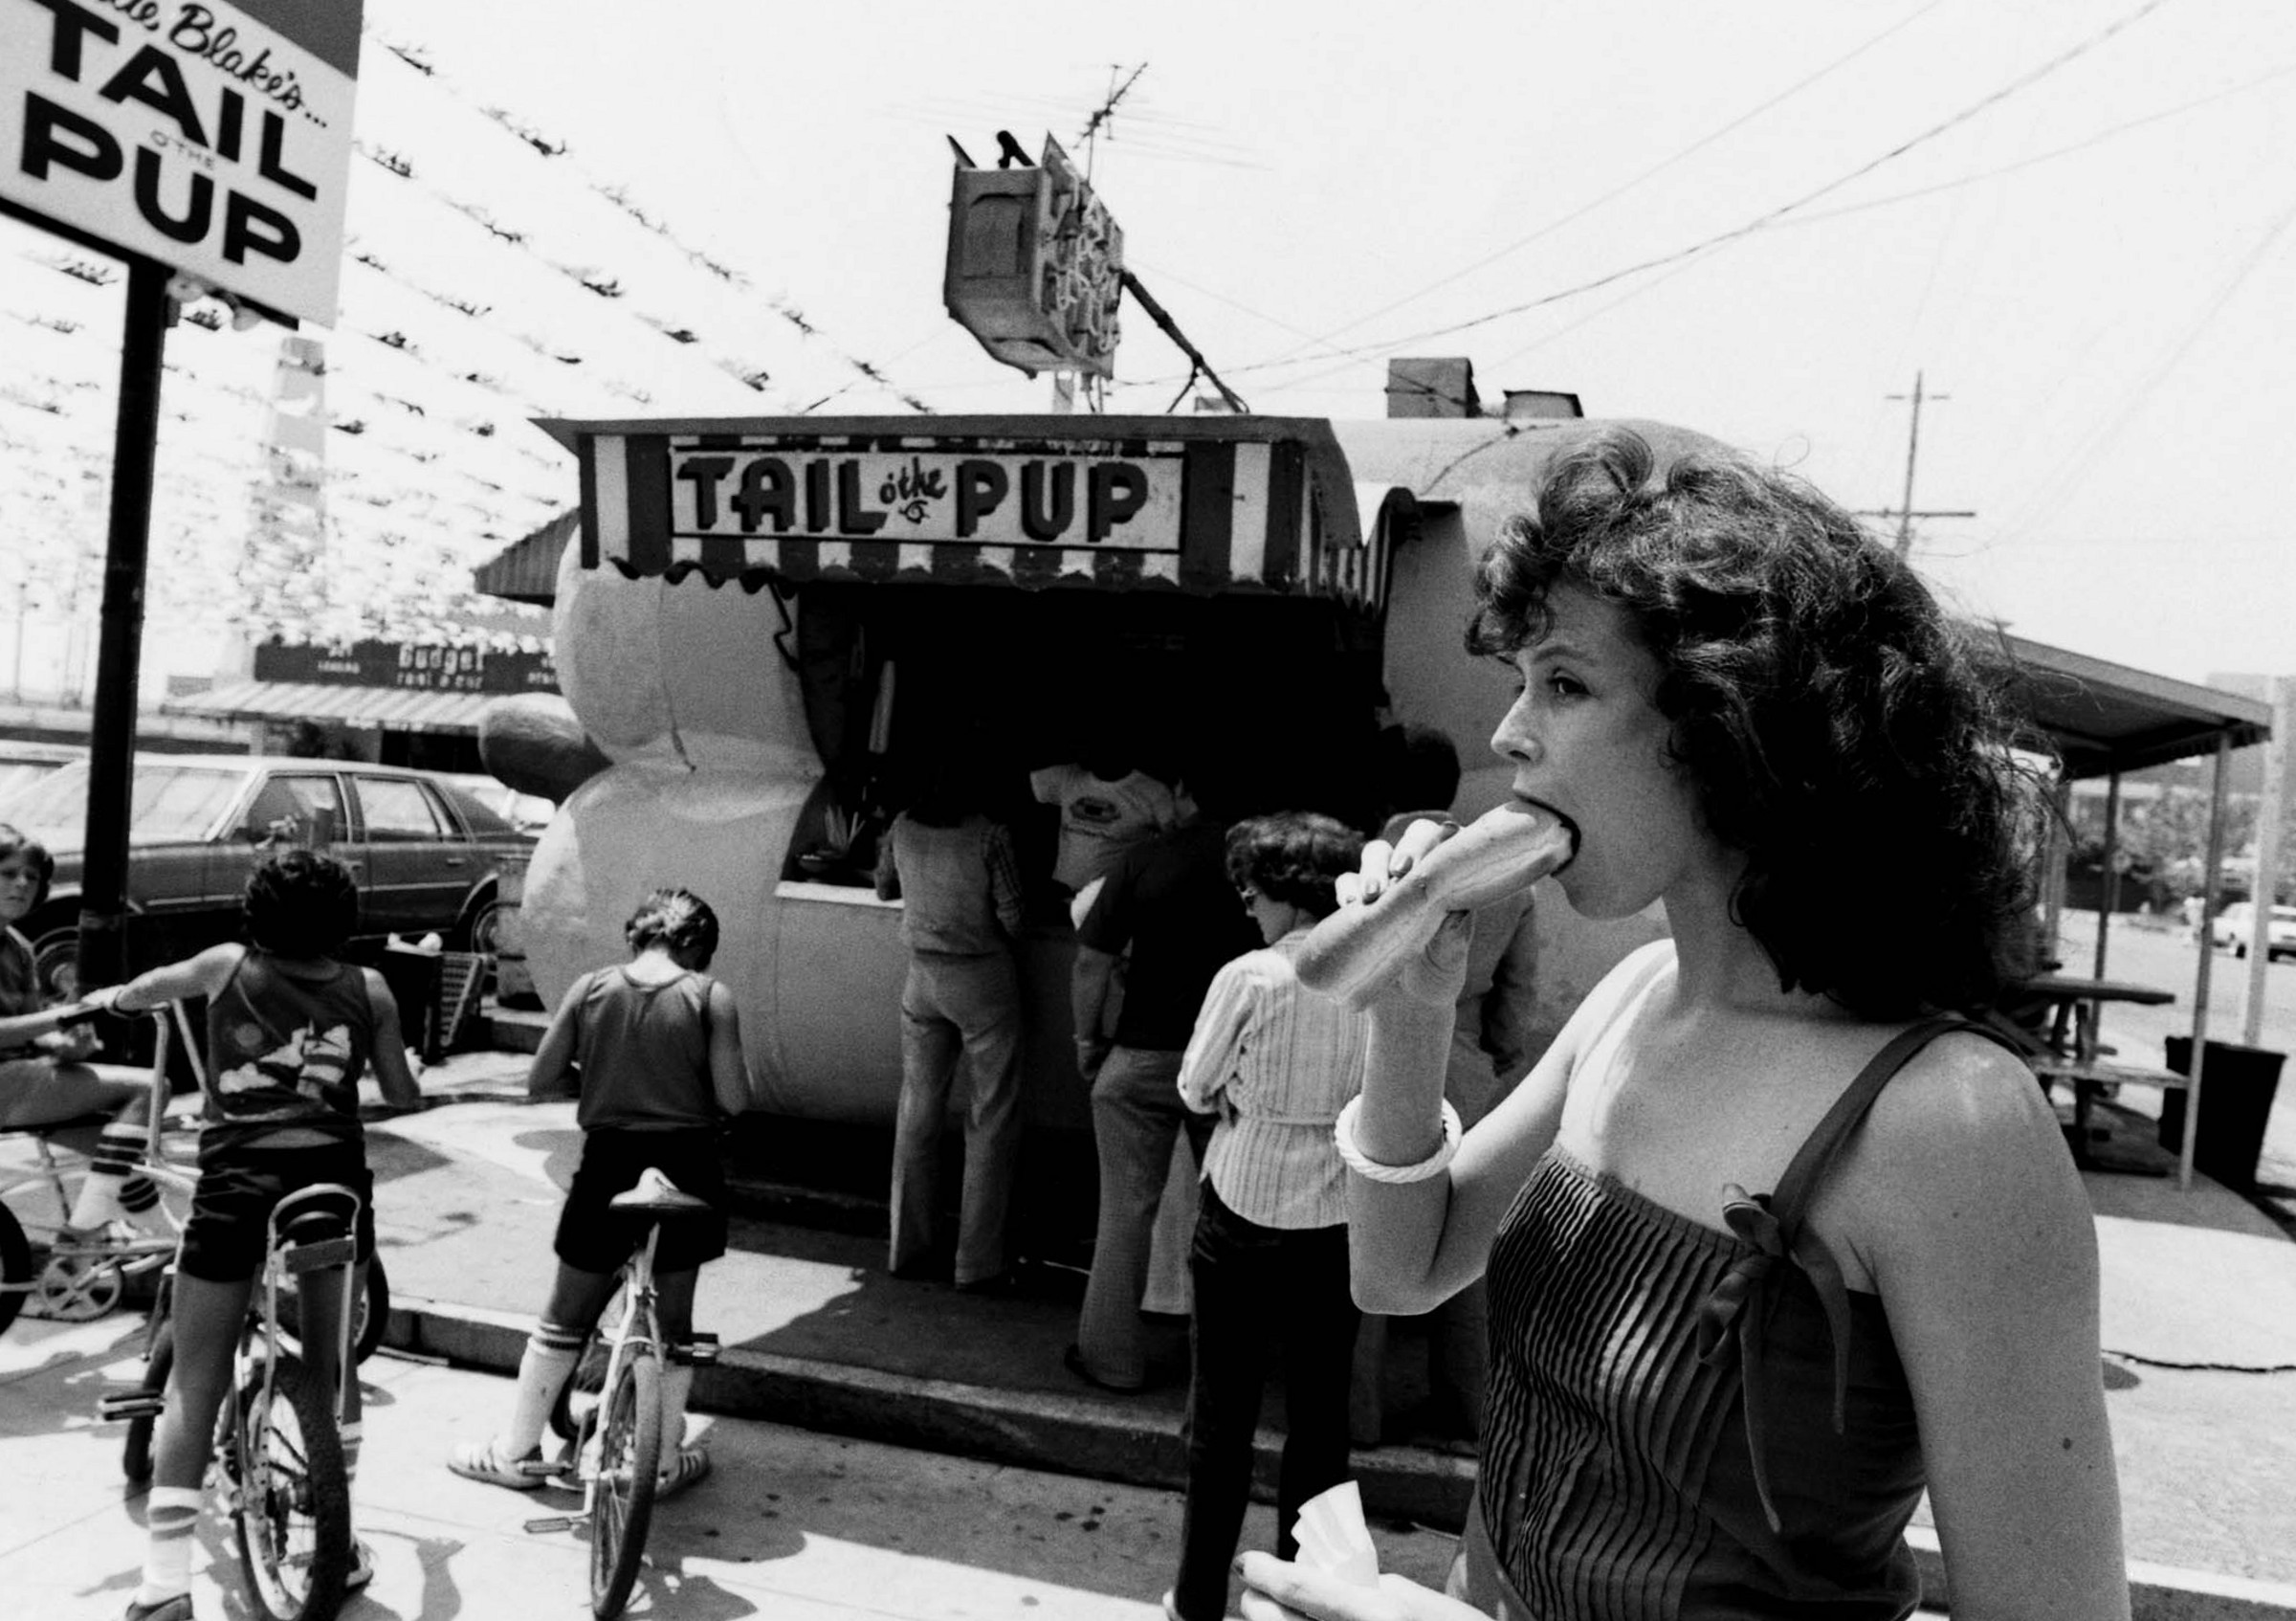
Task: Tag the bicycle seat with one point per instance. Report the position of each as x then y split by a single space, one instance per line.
657 1195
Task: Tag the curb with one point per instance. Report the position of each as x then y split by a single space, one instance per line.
1035 1430
1102 1440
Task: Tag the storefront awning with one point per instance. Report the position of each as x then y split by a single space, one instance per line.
1203 505
526 571
398 709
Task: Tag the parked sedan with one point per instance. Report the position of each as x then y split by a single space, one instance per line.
22 763
2236 924
426 859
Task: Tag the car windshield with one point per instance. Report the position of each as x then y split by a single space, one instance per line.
170 803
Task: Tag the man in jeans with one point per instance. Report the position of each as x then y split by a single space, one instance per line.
1170 903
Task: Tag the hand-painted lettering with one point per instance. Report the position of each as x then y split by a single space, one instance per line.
1040 520
703 472
192 226
819 507
249 226
270 166
767 491
72 24
151 76
1115 491
981 489
852 518
57 138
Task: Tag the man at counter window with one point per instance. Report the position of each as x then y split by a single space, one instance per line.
1107 806
1170 905
953 870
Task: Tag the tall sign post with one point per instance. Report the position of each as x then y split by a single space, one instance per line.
208 140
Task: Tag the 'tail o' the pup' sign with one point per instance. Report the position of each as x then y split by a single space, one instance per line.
214 136
1203 506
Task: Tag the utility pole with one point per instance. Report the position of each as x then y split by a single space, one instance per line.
1906 513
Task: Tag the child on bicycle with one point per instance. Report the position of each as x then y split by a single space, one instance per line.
658 1049
289 1031
45 1078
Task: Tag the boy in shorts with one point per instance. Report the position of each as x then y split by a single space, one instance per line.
658 1048
289 1030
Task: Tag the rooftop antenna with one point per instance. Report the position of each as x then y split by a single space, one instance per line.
1090 135
1904 514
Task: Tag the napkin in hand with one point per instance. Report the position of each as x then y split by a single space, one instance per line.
1334 1538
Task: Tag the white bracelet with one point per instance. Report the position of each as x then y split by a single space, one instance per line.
1343 1140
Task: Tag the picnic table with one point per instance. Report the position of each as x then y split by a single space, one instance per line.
2072 1052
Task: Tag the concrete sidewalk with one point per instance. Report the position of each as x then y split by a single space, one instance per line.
2198 1331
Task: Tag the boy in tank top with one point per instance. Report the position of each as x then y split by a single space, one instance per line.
289 1031
657 1045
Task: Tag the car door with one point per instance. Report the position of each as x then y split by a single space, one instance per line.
289 807
420 867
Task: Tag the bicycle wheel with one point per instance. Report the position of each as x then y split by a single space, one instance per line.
135 1452
370 1313
15 1267
291 1506
629 1459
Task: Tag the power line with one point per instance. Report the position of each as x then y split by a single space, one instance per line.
1618 191
1760 222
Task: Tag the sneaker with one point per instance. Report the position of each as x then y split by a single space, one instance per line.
687 1468
478 1460
363 1566
176 1609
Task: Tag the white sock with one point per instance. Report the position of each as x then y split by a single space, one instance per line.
113 1187
677 1385
544 1371
169 1513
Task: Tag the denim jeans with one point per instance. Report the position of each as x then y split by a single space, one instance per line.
1264 1297
1136 1115
952 1002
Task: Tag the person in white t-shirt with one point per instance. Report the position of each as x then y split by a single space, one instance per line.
1106 806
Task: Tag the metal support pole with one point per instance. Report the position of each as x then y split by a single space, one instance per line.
2212 875
2109 875
112 733
2270 813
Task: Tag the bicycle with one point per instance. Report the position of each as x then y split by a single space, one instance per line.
80 1279
615 1445
278 1444
76 1280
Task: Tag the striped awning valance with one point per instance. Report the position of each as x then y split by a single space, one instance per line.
1236 505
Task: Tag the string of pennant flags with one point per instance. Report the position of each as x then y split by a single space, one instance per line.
331 487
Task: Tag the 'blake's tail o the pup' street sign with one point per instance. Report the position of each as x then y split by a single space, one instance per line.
214 136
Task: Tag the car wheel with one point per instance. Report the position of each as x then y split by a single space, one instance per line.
480 930
56 962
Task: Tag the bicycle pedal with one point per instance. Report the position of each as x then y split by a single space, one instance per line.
553 1523
132 1404
541 1469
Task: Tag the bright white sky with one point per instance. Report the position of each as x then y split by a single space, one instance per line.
2095 260
2097 264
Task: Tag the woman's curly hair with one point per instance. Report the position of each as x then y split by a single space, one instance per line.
676 919
1837 728
1294 856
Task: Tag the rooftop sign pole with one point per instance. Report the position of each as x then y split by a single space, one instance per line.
200 138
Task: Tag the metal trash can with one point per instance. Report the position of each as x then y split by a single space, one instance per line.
412 975
2237 1089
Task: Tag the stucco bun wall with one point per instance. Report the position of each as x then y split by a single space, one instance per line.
688 671
643 824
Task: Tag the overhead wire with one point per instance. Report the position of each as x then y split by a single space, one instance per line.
1622 189
1760 222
